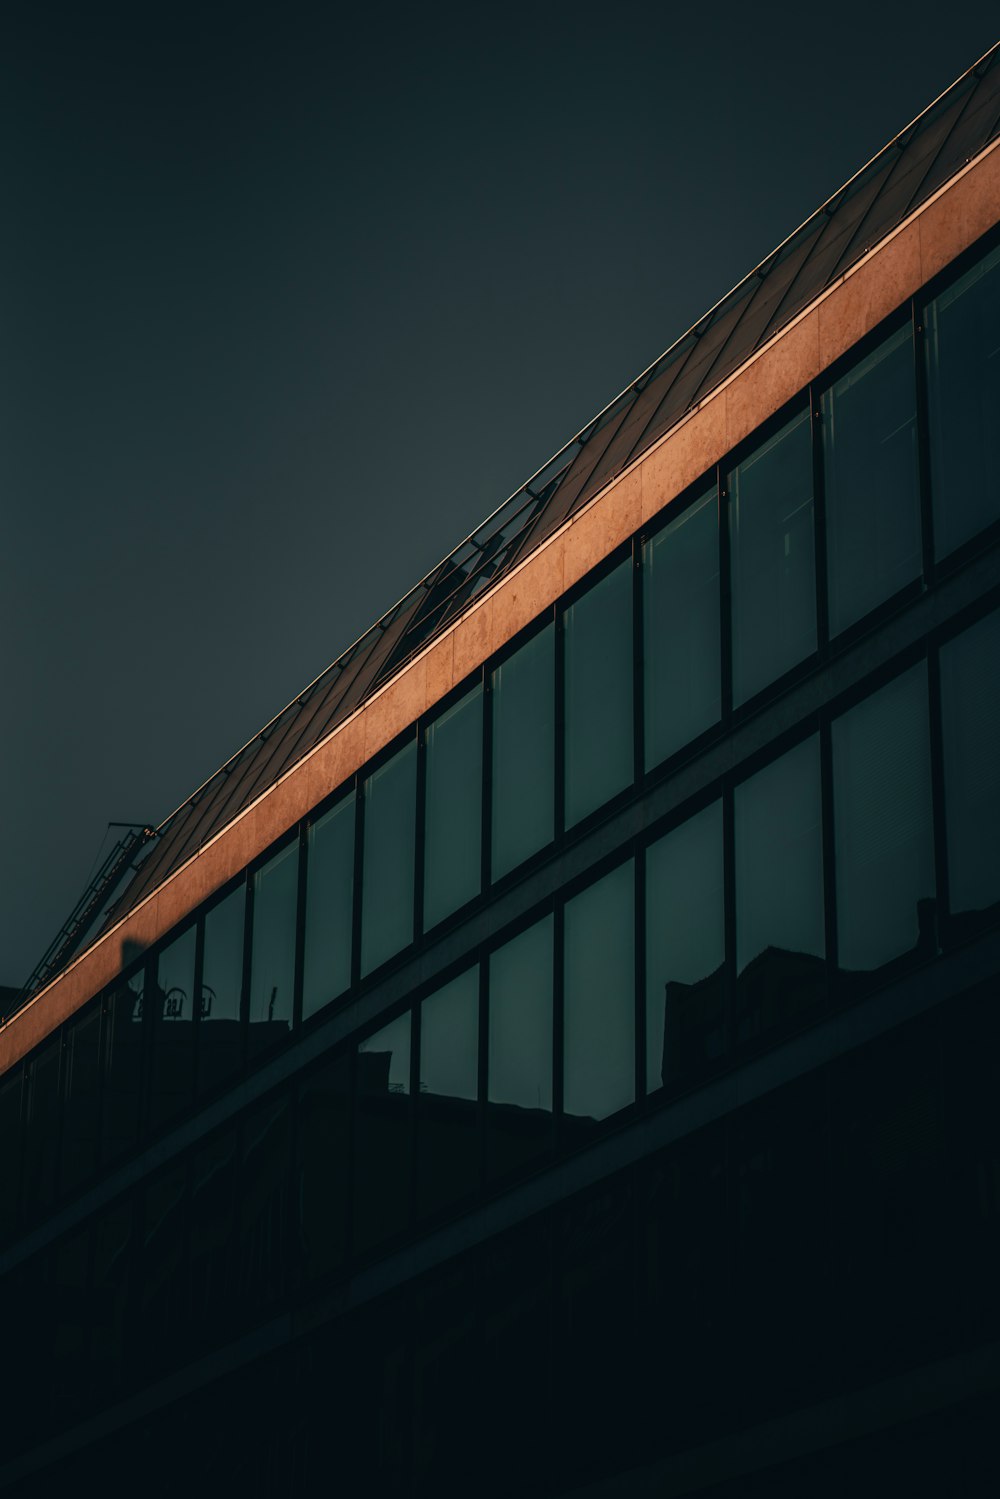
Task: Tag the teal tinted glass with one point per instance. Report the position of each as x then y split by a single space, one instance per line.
869 431
599 997
326 968
520 1034
219 1040
963 394
448 1141
382 1134
882 818
390 823
454 808
598 636
172 1069
773 561
523 693
449 1039
519 1060
970 710
272 957
680 607
685 949
780 927
175 979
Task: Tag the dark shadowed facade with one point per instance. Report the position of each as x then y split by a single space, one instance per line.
560 1054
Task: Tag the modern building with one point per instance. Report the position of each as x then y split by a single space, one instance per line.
561 1053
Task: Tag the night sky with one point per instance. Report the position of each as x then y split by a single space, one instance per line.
290 302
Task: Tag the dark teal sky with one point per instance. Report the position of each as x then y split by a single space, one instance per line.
288 304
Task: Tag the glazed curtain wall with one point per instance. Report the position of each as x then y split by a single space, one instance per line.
801 879
809 876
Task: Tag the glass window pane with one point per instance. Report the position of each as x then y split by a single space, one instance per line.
780 934
598 635
272 958
680 605
122 1069
329 906
773 564
523 752
81 1094
454 808
685 949
390 824
172 1069
324 1167
520 1048
448 1141
963 391
219 1035
382 1134
882 815
872 502
599 999
970 708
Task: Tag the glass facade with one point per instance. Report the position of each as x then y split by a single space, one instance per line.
598 657
449 1088
390 840
219 1028
773 559
884 827
963 379
523 702
599 998
681 624
272 954
329 906
453 808
869 422
519 1058
173 1020
780 911
484 979
685 950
